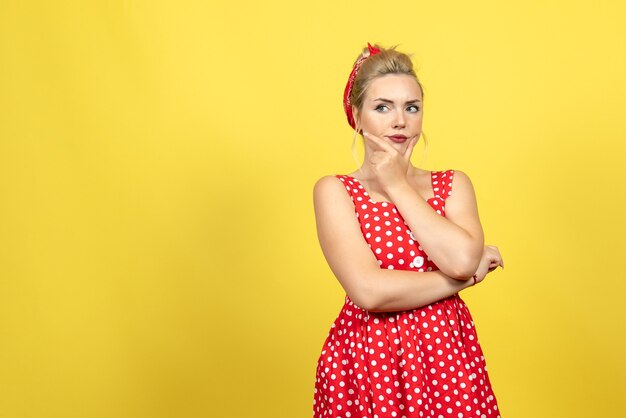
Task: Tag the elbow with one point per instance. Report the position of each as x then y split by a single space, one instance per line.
468 261
462 275
365 296
465 268
372 305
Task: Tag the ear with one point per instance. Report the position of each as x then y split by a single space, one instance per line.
357 119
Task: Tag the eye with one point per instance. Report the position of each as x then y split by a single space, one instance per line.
414 107
379 107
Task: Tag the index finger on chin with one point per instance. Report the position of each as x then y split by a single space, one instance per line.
379 142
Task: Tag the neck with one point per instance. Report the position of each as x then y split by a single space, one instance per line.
366 172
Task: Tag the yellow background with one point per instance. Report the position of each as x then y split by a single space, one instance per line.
158 253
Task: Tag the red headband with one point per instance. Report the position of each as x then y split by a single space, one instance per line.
347 106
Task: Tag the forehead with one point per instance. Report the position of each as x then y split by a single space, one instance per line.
394 86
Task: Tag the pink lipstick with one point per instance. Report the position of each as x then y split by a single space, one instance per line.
398 138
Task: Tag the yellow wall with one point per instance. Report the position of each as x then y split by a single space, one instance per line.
158 255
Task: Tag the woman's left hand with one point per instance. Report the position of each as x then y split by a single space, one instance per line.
389 165
490 260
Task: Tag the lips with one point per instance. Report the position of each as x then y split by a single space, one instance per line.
398 138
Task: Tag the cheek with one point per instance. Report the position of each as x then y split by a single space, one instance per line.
370 121
376 118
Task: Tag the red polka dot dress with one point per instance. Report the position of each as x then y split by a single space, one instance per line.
424 362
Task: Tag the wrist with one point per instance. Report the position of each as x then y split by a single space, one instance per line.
464 284
398 188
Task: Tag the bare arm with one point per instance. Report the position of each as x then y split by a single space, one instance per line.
399 290
455 242
356 267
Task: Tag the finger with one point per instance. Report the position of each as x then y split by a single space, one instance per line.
495 264
499 258
409 148
379 142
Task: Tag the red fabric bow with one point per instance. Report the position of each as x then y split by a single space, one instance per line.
347 106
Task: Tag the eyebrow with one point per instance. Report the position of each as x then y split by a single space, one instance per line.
391 101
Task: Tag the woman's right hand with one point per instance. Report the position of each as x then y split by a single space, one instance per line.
489 261
389 165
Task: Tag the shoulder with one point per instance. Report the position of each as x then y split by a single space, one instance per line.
332 200
453 179
460 178
449 173
331 187
331 181
460 190
461 204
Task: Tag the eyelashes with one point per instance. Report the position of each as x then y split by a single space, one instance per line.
379 108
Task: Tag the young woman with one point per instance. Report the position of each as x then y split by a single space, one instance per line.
402 241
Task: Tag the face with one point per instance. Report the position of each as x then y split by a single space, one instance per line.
392 109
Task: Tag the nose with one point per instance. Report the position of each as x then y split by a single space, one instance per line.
399 121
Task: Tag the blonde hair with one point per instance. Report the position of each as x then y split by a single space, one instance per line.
387 61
